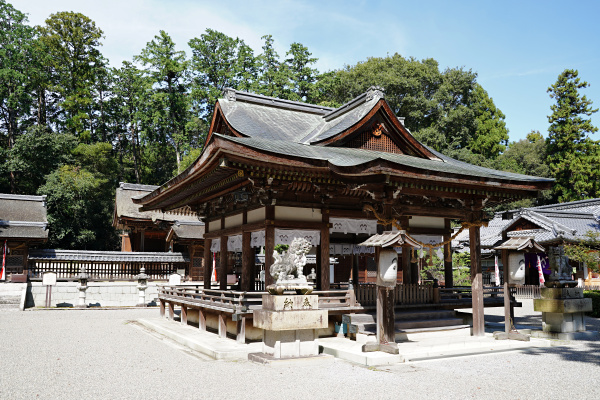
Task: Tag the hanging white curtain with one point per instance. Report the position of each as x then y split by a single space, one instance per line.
285 236
364 250
257 239
234 243
215 245
348 225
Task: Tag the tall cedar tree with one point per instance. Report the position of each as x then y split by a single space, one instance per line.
72 41
572 156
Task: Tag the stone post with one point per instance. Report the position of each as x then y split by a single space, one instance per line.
82 287
142 285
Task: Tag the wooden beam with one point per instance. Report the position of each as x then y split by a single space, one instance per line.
325 251
247 262
476 282
208 262
423 211
223 264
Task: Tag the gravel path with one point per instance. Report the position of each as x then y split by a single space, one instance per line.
101 354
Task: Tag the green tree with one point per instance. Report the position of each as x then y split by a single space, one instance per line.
167 67
219 61
274 76
491 136
72 41
131 90
302 76
447 110
573 157
36 154
16 53
587 251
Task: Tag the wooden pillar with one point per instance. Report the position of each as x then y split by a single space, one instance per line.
208 262
476 282
325 251
448 275
318 268
247 262
142 238
386 331
162 307
406 270
507 302
414 272
26 262
269 243
223 264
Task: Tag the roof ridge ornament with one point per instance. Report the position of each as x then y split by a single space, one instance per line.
375 91
229 94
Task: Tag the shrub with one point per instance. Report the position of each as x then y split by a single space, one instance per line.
595 296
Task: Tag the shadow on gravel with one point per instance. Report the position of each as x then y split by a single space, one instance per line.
587 353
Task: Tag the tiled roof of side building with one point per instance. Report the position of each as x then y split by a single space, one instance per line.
124 206
347 157
23 217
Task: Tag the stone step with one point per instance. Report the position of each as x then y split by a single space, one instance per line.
427 323
400 317
8 300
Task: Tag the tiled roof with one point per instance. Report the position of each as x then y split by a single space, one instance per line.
124 206
187 230
23 217
347 157
113 256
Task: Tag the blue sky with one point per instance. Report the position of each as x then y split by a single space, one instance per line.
517 48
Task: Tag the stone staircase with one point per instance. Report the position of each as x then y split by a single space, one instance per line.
10 295
410 324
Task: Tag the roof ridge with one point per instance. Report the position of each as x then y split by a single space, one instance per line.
137 186
230 94
24 197
555 226
374 92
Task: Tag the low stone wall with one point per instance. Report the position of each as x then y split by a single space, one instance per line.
98 294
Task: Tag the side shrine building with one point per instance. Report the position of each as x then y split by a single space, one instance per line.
273 169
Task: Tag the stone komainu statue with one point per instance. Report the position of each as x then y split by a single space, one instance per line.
288 266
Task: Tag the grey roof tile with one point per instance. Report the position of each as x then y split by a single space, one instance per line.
23 217
345 157
114 256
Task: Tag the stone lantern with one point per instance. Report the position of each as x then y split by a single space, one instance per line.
82 278
142 285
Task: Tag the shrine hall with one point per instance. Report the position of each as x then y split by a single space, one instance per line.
272 170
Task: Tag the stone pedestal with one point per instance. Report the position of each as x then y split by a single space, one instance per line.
289 324
563 309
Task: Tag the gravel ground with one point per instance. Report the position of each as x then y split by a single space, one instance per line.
102 354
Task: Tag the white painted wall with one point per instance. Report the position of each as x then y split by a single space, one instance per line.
298 214
98 294
426 222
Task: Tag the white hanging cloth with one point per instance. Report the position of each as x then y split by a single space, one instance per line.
348 225
234 243
285 236
215 245
257 239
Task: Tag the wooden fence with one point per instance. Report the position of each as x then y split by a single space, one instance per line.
366 294
123 266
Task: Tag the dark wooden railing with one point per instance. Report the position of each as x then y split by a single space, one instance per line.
366 294
67 264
